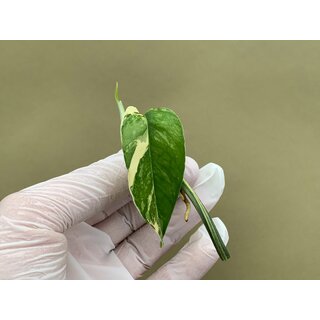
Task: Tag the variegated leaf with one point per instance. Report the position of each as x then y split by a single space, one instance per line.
154 152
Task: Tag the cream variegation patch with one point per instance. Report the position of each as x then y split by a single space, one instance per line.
131 110
140 150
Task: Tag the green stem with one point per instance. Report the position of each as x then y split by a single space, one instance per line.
119 102
207 221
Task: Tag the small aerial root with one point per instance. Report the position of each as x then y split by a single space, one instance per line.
187 203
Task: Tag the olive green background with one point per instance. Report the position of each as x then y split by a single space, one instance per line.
251 106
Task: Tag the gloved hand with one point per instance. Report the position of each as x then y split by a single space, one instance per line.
83 225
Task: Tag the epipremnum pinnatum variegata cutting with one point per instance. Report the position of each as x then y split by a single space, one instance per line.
154 151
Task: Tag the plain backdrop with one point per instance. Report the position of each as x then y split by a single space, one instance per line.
253 107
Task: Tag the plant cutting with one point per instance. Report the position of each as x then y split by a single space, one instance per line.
154 152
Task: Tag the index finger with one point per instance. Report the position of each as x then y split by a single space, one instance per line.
61 202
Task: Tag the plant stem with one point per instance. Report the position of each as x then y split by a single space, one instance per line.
119 102
207 221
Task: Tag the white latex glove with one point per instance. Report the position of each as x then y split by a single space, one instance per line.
83 225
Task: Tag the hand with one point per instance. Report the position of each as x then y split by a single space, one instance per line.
83 225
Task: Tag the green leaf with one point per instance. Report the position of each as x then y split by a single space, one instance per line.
154 152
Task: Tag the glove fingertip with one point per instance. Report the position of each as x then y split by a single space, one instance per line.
192 171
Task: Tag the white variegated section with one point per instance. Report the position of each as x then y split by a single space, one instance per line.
150 197
131 110
156 226
139 152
